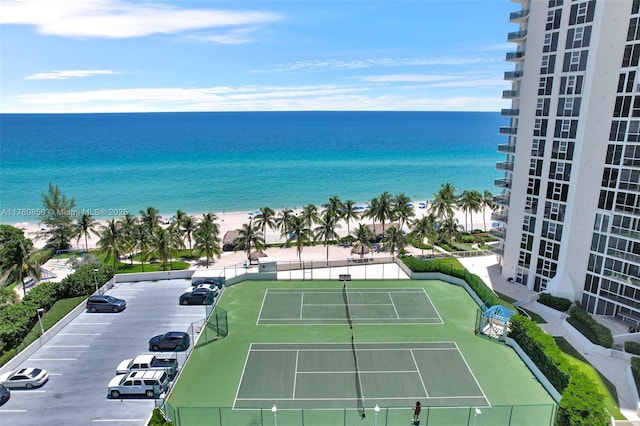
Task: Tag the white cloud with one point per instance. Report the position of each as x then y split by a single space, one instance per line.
408 78
121 19
65 75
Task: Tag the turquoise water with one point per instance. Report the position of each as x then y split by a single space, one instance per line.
218 162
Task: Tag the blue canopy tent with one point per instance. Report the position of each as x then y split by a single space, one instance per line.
495 321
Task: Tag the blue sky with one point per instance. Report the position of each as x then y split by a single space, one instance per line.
264 55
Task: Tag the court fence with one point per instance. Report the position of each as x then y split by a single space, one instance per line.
501 415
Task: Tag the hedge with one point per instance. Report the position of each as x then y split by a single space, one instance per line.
558 303
581 403
632 347
635 371
599 334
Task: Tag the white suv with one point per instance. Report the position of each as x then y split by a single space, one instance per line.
147 383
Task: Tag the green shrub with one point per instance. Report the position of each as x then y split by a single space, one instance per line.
558 303
632 347
601 334
157 419
635 370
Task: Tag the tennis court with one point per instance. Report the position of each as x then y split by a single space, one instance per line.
324 376
366 306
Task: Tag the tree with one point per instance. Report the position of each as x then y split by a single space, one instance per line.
382 210
350 213
424 228
151 217
266 218
300 232
469 202
86 224
129 239
165 242
394 239
207 237
487 201
326 230
188 226
143 241
402 209
449 230
334 207
444 201
310 215
283 221
363 238
250 237
17 262
58 218
111 238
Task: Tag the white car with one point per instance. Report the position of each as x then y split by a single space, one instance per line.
148 383
25 378
211 287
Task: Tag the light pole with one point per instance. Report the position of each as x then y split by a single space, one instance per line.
475 415
376 410
95 278
274 410
40 311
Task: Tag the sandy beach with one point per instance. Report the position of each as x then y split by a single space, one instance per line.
229 221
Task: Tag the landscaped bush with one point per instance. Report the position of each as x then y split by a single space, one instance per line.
581 403
632 347
157 419
558 303
635 371
593 330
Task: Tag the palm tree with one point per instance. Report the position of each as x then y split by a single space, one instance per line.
143 241
151 217
449 230
250 237
266 218
86 223
310 215
58 218
283 221
487 201
394 238
299 231
188 225
165 242
334 206
110 242
425 227
326 230
206 236
363 238
402 210
350 213
383 209
17 262
129 240
443 201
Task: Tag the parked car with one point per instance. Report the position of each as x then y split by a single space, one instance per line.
5 394
199 296
171 341
149 363
105 303
24 378
147 383
211 287
213 282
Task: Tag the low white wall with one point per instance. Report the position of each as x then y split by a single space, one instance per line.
534 369
154 276
546 310
619 339
584 342
632 388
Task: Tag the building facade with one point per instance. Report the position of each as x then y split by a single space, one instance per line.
569 210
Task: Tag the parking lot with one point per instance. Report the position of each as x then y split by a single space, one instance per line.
82 358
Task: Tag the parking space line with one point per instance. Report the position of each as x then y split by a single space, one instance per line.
117 420
79 334
66 346
89 323
53 359
13 411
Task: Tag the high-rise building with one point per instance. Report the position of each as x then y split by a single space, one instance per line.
569 211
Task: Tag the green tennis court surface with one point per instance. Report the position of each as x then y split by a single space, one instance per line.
367 306
313 376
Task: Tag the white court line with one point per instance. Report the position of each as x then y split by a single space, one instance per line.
295 375
262 306
301 303
244 368
350 304
360 372
419 375
394 305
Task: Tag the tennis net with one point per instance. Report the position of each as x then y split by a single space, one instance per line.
354 349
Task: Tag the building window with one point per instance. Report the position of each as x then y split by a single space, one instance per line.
622 106
566 129
625 82
526 242
634 29
571 85
634 131
635 112
605 201
609 178
535 167
553 19
554 211
618 129
548 64
635 7
550 42
581 12
629 179
559 171
555 3
631 156
557 191
545 86
542 107
562 150
540 127
529 223
575 61
569 107
531 205
533 186
578 37
631 55
524 259
537 148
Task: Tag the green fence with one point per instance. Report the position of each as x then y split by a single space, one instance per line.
507 415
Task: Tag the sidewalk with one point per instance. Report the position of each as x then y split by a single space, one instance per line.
614 369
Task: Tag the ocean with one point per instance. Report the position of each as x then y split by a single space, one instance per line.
236 161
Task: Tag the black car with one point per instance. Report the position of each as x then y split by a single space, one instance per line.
104 303
5 394
199 296
212 282
171 341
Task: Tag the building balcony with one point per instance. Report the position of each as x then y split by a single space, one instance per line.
505 165
625 232
500 216
499 233
625 255
509 112
506 148
518 55
512 75
497 249
517 36
502 183
506 130
519 15
502 199
510 94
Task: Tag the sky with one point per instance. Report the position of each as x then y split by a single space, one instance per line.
67 56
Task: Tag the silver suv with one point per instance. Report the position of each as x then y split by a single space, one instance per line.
148 383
